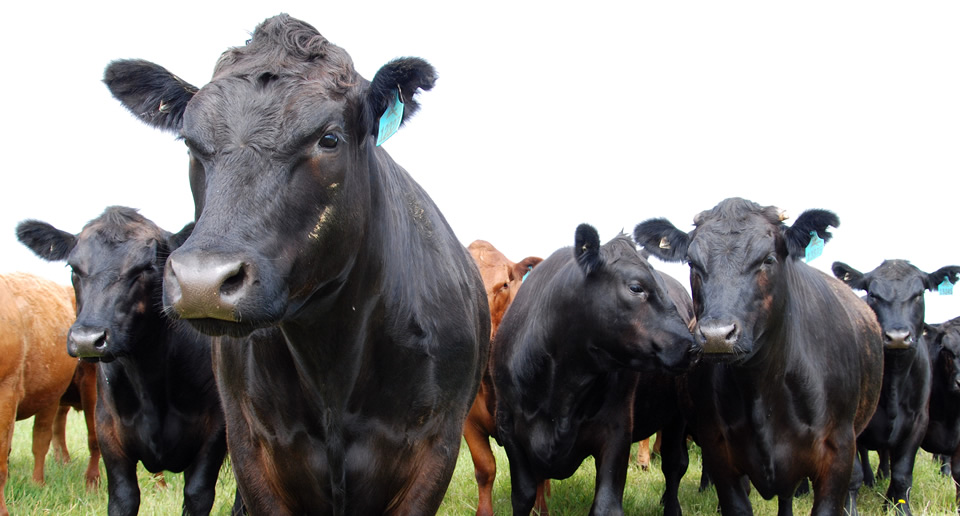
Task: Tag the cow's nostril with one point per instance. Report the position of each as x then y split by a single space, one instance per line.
101 342
234 282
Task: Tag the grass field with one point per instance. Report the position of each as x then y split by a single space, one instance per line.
65 494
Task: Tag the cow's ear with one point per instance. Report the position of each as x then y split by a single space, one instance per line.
177 239
46 241
798 235
154 95
933 334
934 279
662 239
586 248
406 75
524 266
849 275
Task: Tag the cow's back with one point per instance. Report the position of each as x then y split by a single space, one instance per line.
37 314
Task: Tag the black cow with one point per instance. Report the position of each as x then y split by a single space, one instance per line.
157 401
792 358
943 431
895 293
307 225
566 363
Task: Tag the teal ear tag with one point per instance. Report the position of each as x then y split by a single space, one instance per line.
524 278
945 288
815 247
390 121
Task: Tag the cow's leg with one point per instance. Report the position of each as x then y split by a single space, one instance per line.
42 435
864 456
540 505
731 493
902 459
123 492
832 484
785 505
9 394
88 400
484 463
523 485
674 460
60 435
200 479
643 454
955 471
856 480
612 462
883 464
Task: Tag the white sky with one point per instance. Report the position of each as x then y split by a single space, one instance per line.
546 115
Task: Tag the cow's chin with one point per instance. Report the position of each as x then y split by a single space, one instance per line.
221 328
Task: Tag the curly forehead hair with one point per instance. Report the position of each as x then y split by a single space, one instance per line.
737 209
283 45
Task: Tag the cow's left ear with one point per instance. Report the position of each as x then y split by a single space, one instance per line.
586 248
408 75
46 241
799 234
934 279
177 239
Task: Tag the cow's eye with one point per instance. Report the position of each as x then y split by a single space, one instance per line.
329 141
637 289
770 259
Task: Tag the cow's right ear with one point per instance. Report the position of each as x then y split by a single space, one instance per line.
849 275
401 78
46 241
524 266
154 95
662 239
586 248
177 239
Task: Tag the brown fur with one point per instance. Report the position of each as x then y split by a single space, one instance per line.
501 280
35 315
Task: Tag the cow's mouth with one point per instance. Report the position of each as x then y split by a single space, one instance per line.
221 328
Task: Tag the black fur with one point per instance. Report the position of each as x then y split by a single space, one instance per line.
934 279
849 275
150 92
46 241
650 234
798 235
587 248
409 75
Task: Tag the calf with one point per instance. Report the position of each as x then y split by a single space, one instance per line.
895 293
369 323
35 315
587 325
501 279
157 401
943 430
792 358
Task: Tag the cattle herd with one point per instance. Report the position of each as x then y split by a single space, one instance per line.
321 323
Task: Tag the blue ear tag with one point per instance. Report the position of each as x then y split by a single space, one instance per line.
390 121
945 288
524 278
815 247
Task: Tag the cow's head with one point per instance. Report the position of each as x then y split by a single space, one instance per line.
501 277
895 293
281 142
943 341
636 323
117 262
738 253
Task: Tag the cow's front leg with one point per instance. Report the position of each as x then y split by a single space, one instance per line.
611 465
200 479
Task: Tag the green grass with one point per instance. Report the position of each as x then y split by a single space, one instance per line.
65 494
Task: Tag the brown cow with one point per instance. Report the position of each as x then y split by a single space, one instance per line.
80 395
501 280
35 315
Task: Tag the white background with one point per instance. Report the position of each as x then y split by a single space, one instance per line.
546 115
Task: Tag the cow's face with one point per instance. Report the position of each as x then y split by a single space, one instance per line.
738 254
637 324
895 292
501 278
117 265
944 342
281 148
